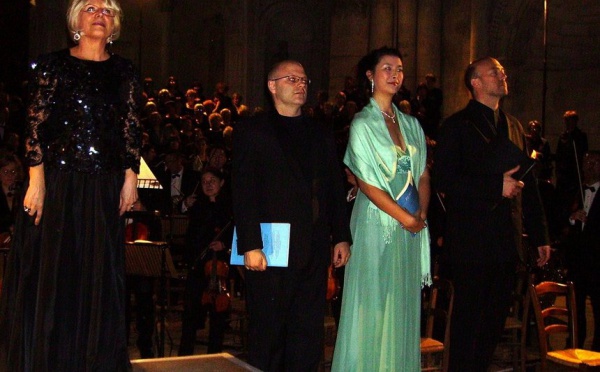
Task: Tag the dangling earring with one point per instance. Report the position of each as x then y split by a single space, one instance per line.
77 35
372 86
110 39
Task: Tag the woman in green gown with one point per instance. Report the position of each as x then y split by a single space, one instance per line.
380 319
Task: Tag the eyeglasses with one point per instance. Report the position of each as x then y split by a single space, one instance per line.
293 79
7 172
103 11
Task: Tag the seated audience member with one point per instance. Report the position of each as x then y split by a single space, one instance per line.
11 177
191 97
178 183
173 88
541 146
227 118
215 134
201 119
237 99
209 106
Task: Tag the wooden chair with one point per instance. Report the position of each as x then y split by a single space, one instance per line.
438 312
554 318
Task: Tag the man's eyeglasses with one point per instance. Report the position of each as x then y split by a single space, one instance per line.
7 172
104 11
293 79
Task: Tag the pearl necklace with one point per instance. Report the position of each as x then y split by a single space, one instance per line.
391 117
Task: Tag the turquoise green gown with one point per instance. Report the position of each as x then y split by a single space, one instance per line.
380 318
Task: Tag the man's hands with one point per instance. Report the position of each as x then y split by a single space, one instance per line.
255 260
510 186
579 215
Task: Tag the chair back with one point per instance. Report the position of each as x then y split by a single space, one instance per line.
438 314
554 308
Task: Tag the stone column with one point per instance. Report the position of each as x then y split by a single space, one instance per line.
456 37
479 45
382 24
407 40
236 58
429 38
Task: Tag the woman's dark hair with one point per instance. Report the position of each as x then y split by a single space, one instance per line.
368 63
214 171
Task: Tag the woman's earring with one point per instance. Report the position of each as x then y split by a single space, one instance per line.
372 86
77 35
110 39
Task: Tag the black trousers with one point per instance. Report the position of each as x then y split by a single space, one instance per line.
587 283
481 303
286 311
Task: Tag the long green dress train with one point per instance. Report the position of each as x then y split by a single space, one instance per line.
380 318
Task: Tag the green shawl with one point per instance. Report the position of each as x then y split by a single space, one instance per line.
372 157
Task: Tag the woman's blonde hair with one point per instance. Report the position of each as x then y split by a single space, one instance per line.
77 5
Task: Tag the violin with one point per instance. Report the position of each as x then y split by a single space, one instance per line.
215 295
333 284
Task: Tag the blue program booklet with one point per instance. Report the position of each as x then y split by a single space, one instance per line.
276 244
409 196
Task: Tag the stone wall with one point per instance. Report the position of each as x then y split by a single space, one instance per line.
234 41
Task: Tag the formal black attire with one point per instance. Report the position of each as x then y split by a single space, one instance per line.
285 170
583 259
207 220
171 204
566 163
63 302
483 230
8 211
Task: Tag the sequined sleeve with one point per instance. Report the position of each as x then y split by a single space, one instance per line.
132 128
42 86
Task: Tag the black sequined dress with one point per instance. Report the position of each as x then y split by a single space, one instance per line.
63 299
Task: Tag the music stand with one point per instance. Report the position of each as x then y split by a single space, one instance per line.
147 179
152 260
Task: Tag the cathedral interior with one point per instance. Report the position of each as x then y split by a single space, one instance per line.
549 48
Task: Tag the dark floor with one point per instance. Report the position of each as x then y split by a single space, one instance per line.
235 341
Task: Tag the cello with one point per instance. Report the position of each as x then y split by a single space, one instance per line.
216 295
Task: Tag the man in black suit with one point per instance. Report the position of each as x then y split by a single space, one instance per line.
570 149
583 250
478 165
178 183
285 170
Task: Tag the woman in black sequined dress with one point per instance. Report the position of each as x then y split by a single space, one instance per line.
63 301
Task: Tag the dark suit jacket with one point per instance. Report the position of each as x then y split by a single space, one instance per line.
583 246
189 181
269 186
470 160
